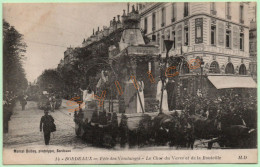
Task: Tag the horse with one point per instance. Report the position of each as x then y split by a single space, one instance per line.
235 133
161 125
205 128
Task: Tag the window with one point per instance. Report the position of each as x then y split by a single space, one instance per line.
242 70
185 68
163 17
229 69
228 38
241 41
186 35
213 35
214 68
199 30
228 10
186 9
241 14
145 25
213 8
173 12
154 21
153 38
173 39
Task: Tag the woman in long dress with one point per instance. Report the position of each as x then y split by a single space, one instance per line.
165 96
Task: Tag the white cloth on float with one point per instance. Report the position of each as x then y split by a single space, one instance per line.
87 98
84 92
141 93
165 96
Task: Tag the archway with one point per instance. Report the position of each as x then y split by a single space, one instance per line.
214 68
229 69
185 68
242 69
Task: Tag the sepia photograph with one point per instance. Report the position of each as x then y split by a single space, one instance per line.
130 83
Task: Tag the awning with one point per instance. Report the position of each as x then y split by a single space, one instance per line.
224 82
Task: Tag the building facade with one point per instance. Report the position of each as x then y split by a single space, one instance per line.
216 33
253 40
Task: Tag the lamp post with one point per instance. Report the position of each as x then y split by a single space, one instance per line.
168 45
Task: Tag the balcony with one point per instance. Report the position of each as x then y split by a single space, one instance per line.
163 24
213 12
209 49
228 17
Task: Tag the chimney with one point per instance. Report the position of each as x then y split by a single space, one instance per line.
123 12
128 4
114 19
137 7
118 18
98 29
93 31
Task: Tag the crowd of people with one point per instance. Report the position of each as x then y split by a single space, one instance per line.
230 103
49 101
9 100
199 113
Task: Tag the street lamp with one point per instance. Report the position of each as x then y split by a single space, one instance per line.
168 46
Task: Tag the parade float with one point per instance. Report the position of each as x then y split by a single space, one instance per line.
129 92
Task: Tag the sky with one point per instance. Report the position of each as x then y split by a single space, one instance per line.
49 28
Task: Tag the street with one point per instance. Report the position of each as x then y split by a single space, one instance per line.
24 127
24 130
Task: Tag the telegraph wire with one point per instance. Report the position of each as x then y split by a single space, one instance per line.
43 43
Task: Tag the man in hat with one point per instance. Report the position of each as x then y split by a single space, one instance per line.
46 124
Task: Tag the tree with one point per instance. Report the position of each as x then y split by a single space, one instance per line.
14 49
50 80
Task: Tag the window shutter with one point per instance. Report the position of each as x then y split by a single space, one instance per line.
221 33
179 35
236 36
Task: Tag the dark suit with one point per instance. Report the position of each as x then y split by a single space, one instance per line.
46 124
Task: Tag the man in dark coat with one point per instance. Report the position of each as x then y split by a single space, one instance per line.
46 124
23 101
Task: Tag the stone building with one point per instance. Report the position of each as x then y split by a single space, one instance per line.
253 40
99 34
69 56
215 33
